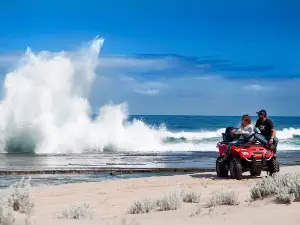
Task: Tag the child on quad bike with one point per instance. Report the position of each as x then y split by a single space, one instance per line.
246 129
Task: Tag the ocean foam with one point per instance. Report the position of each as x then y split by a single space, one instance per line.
46 110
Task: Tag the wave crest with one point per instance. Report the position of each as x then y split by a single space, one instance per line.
288 133
46 110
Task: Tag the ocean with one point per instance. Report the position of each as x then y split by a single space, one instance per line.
186 142
46 124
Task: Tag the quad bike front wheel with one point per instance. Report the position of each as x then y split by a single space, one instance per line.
273 166
236 169
254 174
221 168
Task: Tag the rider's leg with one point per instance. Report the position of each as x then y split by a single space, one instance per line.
275 143
265 141
261 139
276 140
227 152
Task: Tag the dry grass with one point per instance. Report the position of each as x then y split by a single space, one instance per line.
20 198
223 198
285 188
79 211
191 197
171 201
142 206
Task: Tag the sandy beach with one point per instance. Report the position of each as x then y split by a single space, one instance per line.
110 201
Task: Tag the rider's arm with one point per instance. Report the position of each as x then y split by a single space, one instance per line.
240 130
248 130
273 133
251 129
272 129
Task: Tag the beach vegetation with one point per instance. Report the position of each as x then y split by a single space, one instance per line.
142 206
191 197
284 187
221 197
7 216
170 201
20 198
77 211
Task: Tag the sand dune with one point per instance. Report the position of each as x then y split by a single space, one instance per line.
110 200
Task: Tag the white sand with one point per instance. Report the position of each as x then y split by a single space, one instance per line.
111 199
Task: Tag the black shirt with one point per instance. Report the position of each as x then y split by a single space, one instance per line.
265 127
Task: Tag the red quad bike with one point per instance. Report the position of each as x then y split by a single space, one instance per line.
254 157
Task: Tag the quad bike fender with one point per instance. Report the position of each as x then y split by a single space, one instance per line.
222 148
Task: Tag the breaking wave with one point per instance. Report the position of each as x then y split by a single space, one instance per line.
45 109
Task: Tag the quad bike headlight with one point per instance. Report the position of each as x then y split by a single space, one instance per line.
245 153
268 152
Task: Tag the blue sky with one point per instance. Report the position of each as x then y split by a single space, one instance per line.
172 57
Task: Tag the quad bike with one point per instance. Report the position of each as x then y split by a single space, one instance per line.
254 157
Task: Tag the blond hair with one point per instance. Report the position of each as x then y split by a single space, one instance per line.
246 118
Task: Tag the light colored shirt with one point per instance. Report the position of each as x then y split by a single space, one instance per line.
247 130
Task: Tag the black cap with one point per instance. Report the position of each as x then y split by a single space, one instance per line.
262 112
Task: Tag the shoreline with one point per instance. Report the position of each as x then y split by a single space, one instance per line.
116 170
108 171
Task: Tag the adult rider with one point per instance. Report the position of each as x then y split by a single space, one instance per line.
267 130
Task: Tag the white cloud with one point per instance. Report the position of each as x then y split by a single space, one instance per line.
134 63
148 92
110 62
126 78
257 87
150 87
141 86
120 79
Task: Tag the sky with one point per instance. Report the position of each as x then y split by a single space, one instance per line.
172 57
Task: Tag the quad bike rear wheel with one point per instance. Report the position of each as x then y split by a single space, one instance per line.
273 166
221 168
236 169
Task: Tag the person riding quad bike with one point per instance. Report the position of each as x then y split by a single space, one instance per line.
244 149
245 131
267 130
